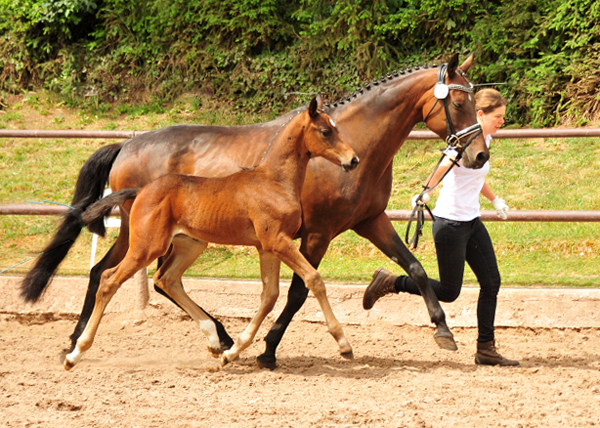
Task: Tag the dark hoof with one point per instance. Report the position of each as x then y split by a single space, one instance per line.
216 352
265 362
347 355
445 341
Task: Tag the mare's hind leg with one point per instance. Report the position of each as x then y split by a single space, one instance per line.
381 233
269 272
286 251
184 252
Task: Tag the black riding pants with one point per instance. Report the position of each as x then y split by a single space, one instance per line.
455 243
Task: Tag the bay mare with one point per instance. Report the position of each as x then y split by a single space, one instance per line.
375 121
257 207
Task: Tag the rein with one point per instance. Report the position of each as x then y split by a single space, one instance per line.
453 143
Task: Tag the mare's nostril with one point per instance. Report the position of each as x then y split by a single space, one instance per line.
355 162
482 158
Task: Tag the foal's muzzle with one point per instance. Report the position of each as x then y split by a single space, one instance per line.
350 166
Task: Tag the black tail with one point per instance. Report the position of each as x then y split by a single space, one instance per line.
89 188
95 213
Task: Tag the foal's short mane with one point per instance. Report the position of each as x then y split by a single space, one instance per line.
376 82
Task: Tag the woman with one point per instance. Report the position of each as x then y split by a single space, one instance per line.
460 236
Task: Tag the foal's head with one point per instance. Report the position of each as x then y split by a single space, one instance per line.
322 138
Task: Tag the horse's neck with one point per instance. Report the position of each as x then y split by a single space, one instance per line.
377 124
286 157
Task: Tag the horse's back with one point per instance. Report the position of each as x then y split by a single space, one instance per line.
210 151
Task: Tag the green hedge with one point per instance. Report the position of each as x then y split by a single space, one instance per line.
258 53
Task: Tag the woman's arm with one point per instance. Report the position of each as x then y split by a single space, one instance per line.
487 192
435 177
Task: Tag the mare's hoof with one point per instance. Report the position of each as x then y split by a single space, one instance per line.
445 341
347 355
265 362
215 352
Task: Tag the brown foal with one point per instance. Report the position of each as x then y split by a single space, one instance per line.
258 207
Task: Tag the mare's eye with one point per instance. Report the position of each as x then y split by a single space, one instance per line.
326 132
457 105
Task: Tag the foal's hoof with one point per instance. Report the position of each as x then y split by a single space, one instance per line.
215 352
266 362
445 341
226 360
68 365
347 355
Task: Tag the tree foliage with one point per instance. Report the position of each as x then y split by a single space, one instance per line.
259 53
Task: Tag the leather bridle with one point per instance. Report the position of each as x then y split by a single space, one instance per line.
453 142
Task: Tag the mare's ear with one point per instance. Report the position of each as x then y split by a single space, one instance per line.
467 64
313 107
452 65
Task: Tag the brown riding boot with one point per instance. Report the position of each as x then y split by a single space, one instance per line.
487 355
383 283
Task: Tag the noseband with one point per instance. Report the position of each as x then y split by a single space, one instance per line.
453 141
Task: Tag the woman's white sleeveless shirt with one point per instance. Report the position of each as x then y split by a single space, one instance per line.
459 197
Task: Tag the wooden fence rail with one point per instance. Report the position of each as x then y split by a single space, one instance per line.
395 215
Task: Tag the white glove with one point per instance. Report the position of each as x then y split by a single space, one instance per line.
424 199
501 207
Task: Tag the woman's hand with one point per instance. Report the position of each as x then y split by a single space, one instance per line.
422 201
501 207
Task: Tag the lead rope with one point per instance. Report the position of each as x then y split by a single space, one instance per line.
418 212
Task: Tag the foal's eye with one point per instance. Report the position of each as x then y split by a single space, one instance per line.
326 132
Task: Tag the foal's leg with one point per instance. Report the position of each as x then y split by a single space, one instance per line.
110 260
183 242
142 252
314 246
168 278
269 272
381 232
109 284
285 249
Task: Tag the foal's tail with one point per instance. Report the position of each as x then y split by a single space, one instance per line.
89 188
97 211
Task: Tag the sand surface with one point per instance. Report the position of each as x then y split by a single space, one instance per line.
150 368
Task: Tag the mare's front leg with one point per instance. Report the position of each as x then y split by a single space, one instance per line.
286 251
269 272
382 234
313 247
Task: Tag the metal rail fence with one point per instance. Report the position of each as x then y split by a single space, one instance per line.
395 215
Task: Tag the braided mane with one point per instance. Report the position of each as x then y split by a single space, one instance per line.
368 85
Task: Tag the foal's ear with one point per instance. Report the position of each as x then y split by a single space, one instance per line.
452 65
467 64
313 107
